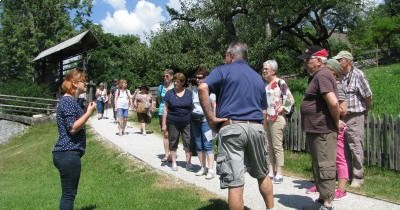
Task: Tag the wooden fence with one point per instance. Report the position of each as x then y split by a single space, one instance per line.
381 142
27 110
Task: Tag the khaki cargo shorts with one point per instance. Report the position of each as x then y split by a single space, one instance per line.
241 148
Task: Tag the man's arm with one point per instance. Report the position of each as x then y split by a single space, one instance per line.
204 97
333 106
205 101
368 101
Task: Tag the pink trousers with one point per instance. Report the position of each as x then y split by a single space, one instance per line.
341 163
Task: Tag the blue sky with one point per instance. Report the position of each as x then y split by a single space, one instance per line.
136 17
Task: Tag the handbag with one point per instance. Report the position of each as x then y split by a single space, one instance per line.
141 108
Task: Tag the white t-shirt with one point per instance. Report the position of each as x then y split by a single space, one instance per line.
123 98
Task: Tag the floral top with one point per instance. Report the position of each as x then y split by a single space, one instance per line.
278 94
68 111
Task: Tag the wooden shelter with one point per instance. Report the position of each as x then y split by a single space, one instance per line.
59 58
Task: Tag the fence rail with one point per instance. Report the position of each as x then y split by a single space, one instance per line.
381 142
19 105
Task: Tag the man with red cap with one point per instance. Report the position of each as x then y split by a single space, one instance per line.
320 120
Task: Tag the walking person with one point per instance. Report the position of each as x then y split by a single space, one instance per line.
320 121
122 101
142 104
176 119
280 101
241 109
201 132
101 99
111 100
71 144
162 90
358 99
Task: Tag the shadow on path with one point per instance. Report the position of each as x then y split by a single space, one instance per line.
293 201
218 204
302 184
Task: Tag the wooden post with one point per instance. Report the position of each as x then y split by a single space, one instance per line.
377 56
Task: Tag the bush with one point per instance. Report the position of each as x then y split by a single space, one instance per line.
25 88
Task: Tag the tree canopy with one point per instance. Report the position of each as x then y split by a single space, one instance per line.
196 36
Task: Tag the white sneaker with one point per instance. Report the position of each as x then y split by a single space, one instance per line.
210 174
278 179
201 172
174 167
356 183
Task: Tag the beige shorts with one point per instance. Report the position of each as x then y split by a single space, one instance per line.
241 148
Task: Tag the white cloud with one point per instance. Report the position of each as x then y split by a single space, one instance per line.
116 4
175 4
144 18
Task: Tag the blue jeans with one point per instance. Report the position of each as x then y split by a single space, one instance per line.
68 164
100 107
198 130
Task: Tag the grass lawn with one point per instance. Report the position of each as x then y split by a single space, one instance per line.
379 183
109 180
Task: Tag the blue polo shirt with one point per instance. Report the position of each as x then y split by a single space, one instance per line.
240 91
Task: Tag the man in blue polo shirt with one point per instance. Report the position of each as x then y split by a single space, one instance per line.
241 105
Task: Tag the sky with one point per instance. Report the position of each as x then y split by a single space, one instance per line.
137 17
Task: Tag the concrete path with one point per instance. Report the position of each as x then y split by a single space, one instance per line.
289 195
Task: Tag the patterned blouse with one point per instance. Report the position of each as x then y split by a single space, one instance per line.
278 94
68 111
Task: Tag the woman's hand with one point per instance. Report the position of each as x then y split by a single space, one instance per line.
91 107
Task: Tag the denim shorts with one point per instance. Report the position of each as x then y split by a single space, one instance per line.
122 113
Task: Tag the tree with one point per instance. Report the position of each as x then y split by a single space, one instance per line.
119 57
380 28
272 29
29 27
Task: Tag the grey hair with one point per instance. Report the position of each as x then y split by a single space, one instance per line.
324 60
169 71
273 64
238 50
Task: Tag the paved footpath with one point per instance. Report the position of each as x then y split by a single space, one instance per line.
289 195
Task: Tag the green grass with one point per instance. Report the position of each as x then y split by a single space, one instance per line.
379 182
109 180
384 83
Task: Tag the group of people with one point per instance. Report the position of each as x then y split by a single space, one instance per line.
181 114
333 112
245 113
121 100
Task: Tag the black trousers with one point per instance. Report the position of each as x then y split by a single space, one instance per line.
68 164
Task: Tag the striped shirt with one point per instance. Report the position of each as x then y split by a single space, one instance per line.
341 95
356 88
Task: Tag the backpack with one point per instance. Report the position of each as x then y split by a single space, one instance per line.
289 114
126 91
